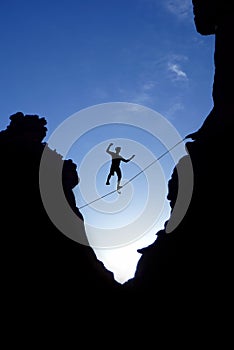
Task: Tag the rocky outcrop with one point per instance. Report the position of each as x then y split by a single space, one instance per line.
193 263
36 256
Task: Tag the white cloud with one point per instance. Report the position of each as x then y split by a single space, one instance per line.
142 98
182 9
179 8
178 73
178 58
142 94
173 109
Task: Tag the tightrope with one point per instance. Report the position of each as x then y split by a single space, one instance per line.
140 172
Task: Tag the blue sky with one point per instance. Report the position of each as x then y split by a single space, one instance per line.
60 57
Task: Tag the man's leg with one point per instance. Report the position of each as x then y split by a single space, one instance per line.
119 178
108 179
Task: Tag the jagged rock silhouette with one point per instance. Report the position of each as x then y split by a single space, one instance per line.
36 255
192 264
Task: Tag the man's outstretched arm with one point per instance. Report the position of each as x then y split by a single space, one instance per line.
128 160
108 148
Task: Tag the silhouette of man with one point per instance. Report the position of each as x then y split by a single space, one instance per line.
115 164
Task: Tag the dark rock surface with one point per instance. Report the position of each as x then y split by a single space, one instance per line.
193 263
36 256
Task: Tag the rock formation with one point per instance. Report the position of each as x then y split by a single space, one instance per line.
36 256
193 263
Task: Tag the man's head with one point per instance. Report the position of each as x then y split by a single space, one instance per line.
118 149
